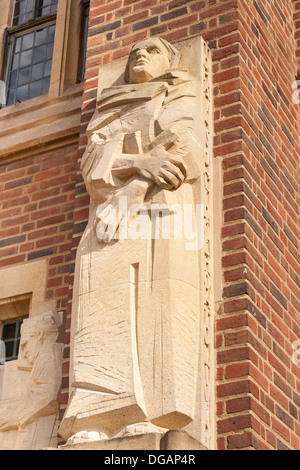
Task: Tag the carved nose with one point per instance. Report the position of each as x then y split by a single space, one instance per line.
141 53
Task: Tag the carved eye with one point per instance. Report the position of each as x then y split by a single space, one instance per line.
154 50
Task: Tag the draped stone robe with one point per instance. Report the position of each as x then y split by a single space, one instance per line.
136 313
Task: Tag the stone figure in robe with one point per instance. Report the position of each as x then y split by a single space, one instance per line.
33 416
135 318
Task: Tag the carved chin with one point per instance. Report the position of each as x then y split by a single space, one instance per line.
140 75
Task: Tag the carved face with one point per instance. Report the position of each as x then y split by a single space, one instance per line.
148 59
30 344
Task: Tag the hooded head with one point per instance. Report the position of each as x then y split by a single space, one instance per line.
36 332
149 59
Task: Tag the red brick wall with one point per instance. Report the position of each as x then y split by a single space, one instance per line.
258 392
297 33
256 136
36 215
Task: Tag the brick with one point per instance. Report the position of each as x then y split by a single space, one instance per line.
5 252
284 387
145 24
187 20
278 351
177 3
56 220
237 370
234 321
233 388
281 429
55 240
105 28
174 14
237 405
236 289
282 446
55 282
277 365
233 355
48 174
279 397
260 412
234 424
293 411
270 220
12 240
135 17
278 295
26 247
12 260
198 28
40 253
239 441
237 337
20 182
257 314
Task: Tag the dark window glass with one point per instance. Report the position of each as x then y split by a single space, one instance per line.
31 43
9 350
85 23
26 10
29 75
11 339
9 331
46 7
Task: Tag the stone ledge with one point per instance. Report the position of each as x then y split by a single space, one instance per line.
39 123
172 440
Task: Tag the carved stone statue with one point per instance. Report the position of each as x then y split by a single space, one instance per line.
34 415
136 305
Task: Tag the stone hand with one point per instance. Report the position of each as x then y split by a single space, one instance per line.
113 214
166 170
107 221
8 419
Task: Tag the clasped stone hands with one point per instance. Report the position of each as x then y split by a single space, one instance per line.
158 166
166 170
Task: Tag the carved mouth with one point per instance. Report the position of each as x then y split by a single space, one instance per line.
140 62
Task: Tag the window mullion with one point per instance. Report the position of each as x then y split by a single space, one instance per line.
11 42
35 9
15 341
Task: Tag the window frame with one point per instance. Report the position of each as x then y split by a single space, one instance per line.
15 32
13 310
16 339
34 16
67 53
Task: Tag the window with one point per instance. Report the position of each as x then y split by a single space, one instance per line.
26 10
31 43
11 333
42 48
85 21
13 311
